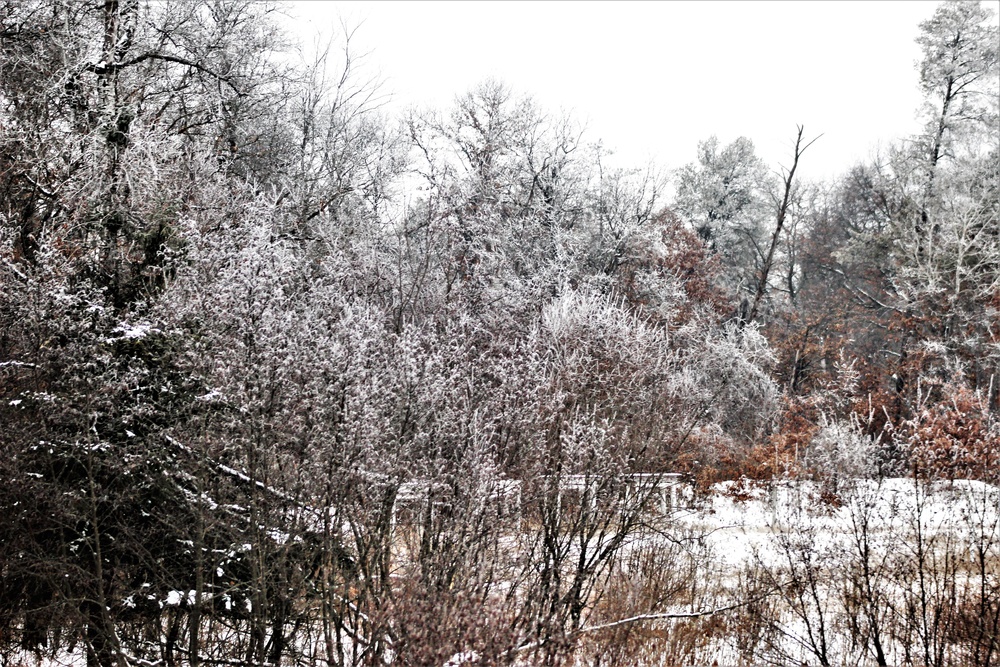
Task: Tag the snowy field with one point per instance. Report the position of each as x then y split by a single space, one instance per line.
806 534
740 528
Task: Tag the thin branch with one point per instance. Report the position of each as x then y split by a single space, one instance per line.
241 476
855 290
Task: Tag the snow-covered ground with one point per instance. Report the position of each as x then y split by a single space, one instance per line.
739 520
741 524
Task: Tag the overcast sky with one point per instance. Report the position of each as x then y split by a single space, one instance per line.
652 79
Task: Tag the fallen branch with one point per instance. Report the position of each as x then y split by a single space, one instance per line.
664 616
660 617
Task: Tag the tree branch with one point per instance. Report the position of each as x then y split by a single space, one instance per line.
782 212
108 68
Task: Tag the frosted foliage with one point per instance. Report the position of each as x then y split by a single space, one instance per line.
245 319
841 449
724 374
958 72
576 314
959 266
725 197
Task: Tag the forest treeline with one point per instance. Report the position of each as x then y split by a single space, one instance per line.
241 307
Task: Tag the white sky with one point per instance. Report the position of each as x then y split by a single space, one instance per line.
652 79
